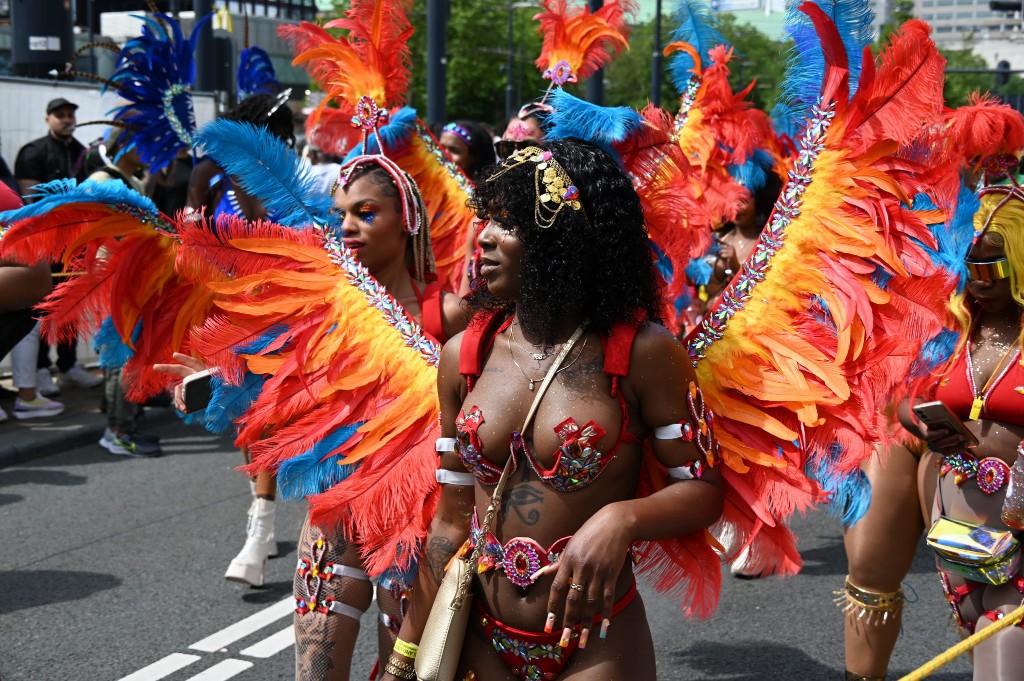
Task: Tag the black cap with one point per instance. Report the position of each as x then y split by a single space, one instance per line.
58 103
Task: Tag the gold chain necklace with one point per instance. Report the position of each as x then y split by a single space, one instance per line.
536 380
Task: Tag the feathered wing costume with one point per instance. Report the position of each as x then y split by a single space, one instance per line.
347 395
334 382
812 339
123 252
367 71
121 249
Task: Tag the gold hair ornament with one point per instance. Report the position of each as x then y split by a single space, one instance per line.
554 188
989 270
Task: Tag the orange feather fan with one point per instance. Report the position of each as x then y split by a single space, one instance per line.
814 336
340 356
576 42
122 253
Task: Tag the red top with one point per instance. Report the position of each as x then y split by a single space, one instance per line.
576 463
1005 399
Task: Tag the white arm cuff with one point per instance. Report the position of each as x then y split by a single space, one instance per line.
671 432
447 477
445 444
681 472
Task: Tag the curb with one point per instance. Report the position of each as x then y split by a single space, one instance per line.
48 444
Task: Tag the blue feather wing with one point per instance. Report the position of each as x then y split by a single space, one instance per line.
155 72
63 192
805 71
256 73
695 24
269 170
600 125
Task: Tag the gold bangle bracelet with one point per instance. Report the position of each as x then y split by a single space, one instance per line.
400 670
406 649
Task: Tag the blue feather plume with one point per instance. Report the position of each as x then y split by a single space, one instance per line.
62 192
155 72
310 473
935 353
600 125
267 169
696 25
953 238
396 134
753 174
698 271
805 71
256 73
849 494
228 402
113 352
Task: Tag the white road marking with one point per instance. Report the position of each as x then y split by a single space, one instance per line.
162 668
222 670
243 628
272 645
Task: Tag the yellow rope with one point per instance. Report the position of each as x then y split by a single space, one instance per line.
964 646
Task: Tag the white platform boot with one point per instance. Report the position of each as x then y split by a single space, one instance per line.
272 552
250 565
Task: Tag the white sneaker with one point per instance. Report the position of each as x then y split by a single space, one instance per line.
250 565
45 385
36 409
742 567
78 376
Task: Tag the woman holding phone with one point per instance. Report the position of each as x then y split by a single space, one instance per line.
983 386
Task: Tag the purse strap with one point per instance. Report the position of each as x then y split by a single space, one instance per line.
499 489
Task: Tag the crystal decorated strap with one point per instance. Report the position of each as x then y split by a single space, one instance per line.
377 296
787 208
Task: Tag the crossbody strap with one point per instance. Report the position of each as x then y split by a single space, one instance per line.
499 489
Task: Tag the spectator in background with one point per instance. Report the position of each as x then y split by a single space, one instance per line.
122 436
470 146
522 131
55 156
6 176
22 287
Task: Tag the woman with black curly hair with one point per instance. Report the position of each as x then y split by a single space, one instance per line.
568 277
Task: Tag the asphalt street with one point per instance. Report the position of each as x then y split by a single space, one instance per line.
111 565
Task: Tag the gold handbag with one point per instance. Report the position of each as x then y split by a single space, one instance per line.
441 642
975 552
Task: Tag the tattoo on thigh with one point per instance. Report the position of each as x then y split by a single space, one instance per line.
520 498
439 551
314 648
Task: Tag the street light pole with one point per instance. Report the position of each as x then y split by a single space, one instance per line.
509 65
595 84
437 23
656 57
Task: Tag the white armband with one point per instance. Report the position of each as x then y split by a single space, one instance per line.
670 432
447 477
444 444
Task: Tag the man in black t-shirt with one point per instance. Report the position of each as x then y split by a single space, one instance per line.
56 156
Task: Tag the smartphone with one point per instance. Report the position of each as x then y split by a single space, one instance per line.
197 391
938 415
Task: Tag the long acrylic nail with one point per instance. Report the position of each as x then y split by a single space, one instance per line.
604 627
549 625
584 637
566 634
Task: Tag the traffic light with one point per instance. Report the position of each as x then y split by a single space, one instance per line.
1005 5
1002 73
